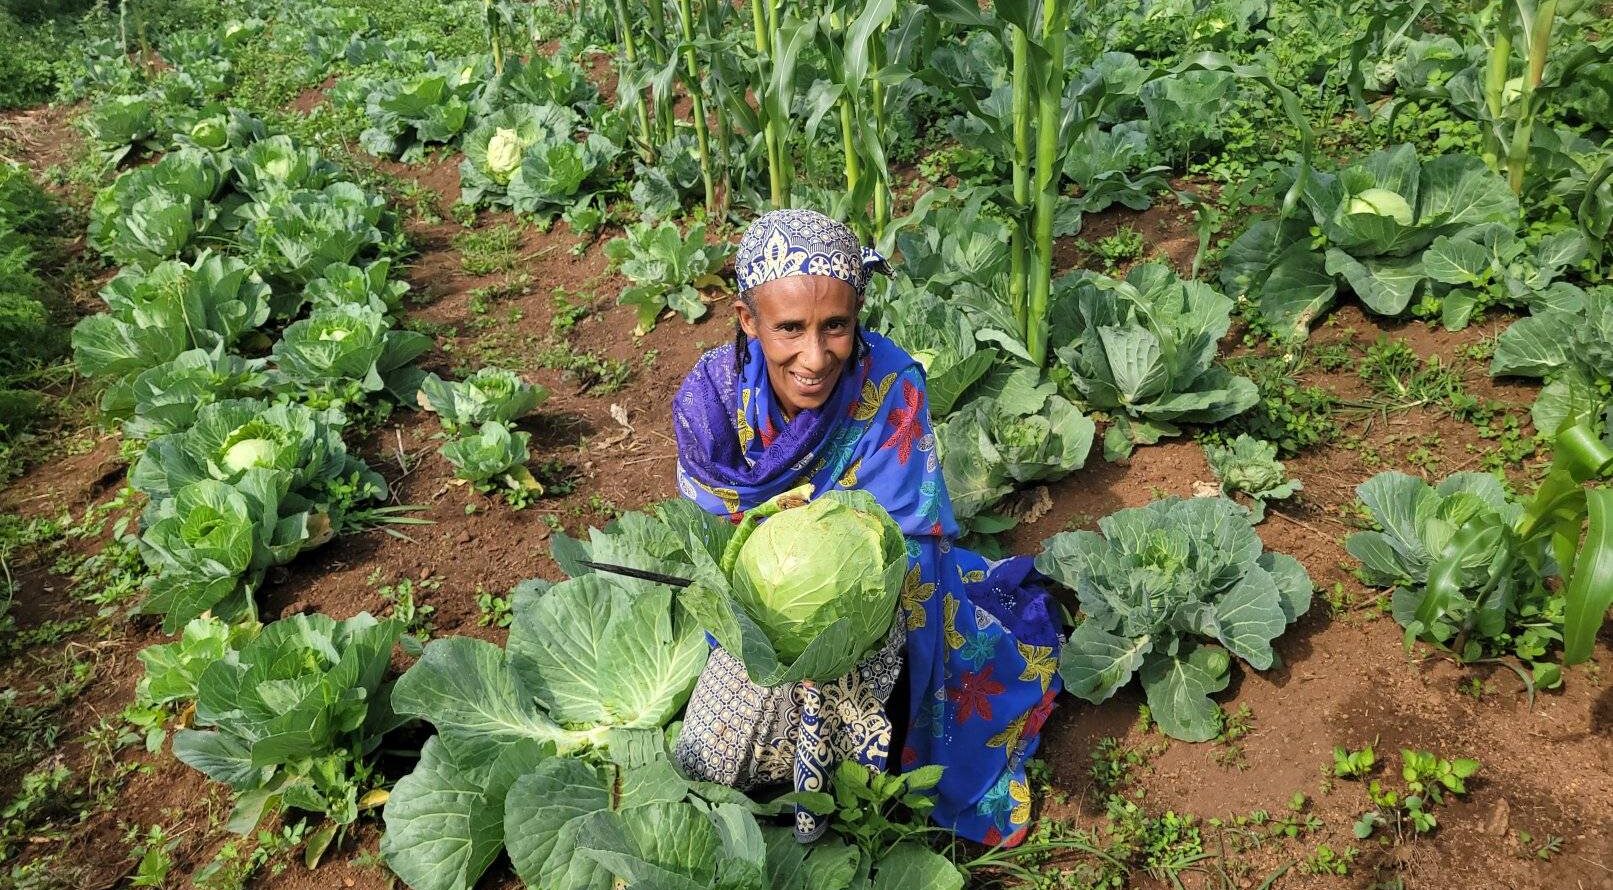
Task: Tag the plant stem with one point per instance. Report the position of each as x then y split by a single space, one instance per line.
1017 246
630 55
1495 83
1539 44
696 97
760 18
495 36
1050 103
882 191
658 44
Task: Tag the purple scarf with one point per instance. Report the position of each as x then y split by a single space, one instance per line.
705 419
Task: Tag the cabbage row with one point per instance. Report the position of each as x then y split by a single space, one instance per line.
252 313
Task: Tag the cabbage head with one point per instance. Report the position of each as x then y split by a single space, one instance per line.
1381 202
504 153
808 567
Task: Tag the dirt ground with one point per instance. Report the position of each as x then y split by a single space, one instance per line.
1344 678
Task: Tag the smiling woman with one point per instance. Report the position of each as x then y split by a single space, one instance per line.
804 395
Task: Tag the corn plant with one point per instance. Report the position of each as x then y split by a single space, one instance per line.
852 43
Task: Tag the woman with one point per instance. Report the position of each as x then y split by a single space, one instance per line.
804 395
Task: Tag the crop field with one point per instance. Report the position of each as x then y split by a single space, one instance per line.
335 335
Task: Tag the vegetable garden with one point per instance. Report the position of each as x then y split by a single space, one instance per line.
338 341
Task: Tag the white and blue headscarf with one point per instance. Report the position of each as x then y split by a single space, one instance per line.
786 243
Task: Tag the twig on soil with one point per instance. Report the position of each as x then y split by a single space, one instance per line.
402 463
1304 525
645 459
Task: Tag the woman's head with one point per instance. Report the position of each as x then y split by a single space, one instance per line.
801 277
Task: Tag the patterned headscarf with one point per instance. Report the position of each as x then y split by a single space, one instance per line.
786 243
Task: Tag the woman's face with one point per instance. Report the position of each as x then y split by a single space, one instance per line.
805 325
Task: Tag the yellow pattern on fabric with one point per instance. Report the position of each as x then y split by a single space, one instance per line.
1020 792
872 397
848 479
950 626
728 496
742 423
915 594
1039 663
1009 737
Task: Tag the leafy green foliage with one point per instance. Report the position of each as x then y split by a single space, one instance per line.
154 316
291 712
1569 348
488 394
1250 466
174 670
492 452
408 116
340 355
525 157
1462 531
1145 352
1154 583
1014 429
167 397
1372 224
588 661
666 268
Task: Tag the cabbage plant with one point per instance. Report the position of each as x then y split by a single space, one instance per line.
802 595
292 237
1459 534
1145 354
408 116
493 456
340 284
120 124
153 213
1572 349
829 561
232 437
167 397
1250 466
348 353
527 158
279 164
154 316
940 336
288 715
1015 429
667 268
1369 229
489 394
596 666
1170 592
210 544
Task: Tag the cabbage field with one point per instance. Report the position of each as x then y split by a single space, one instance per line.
338 342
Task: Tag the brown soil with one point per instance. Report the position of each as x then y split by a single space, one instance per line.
1344 679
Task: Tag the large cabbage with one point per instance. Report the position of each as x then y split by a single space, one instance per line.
805 568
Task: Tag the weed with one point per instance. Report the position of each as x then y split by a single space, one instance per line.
1324 861
153 854
591 371
1544 849
403 595
1294 416
566 312
492 609
1124 245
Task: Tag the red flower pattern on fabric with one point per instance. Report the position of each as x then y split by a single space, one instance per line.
1038 715
768 432
904 423
973 694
